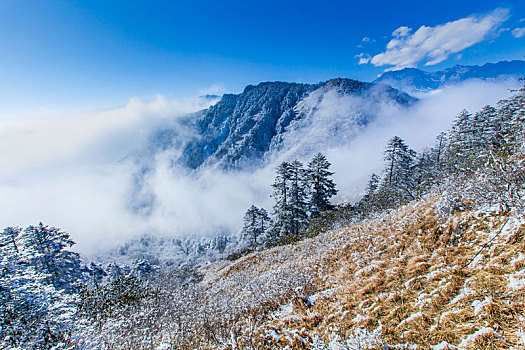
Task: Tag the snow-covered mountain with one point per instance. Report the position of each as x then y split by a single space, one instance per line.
247 128
413 80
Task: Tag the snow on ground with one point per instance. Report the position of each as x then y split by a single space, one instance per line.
470 339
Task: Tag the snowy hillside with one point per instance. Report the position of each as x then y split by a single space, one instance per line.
408 277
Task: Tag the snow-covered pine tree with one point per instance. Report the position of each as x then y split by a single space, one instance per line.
281 210
438 151
9 237
373 185
322 188
459 150
256 223
115 271
399 159
264 225
424 171
33 314
97 274
298 197
45 248
512 112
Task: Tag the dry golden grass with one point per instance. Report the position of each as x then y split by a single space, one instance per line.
412 275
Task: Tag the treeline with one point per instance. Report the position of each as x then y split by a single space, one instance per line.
300 194
478 161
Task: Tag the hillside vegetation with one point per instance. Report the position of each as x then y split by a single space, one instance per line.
407 277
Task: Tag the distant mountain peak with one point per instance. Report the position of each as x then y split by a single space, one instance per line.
413 80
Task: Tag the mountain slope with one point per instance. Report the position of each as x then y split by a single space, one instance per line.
409 277
243 129
415 80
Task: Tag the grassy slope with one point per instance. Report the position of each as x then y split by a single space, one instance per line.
402 278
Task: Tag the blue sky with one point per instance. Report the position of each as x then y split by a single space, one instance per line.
76 55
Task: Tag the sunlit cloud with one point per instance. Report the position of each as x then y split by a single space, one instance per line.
433 45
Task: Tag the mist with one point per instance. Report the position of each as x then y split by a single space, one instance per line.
75 171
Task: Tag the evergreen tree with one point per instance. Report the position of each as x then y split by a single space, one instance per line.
115 271
438 152
398 168
424 171
298 197
256 223
9 238
33 313
97 273
321 186
282 209
459 150
45 248
373 185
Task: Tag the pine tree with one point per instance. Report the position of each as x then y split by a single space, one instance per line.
33 313
398 168
459 150
298 197
282 209
321 186
97 274
256 223
424 170
373 185
45 248
438 152
264 224
9 238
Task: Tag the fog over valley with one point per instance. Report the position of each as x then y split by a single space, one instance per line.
82 172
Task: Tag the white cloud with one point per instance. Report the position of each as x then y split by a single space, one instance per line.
433 45
70 171
401 32
29 142
518 32
364 58
366 39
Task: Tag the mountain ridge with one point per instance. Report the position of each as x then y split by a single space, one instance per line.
413 80
241 129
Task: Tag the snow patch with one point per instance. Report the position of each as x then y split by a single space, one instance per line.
411 318
477 334
521 336
479 305
444 346
517 280
465 292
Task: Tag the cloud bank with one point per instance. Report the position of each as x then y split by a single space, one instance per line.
432 45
